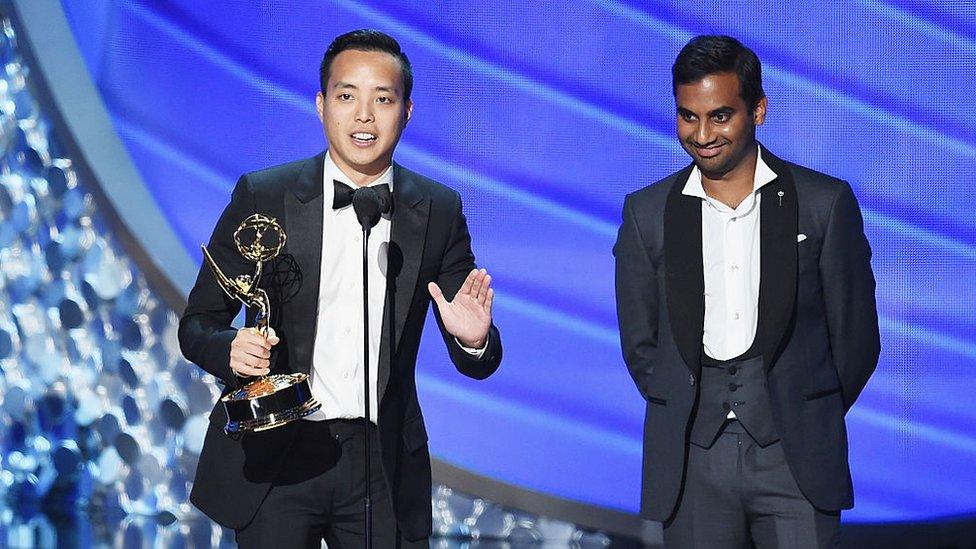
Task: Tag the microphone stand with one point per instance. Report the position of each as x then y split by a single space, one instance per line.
366 391
367 205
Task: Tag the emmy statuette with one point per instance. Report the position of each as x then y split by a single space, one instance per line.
276 399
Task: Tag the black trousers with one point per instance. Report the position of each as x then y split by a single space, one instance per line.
738 494
319 494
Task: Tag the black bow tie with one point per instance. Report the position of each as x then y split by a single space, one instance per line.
344 193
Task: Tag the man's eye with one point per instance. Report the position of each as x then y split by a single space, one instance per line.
687 116
345 97
722 117
383 100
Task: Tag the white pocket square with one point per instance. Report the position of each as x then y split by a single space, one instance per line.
801 237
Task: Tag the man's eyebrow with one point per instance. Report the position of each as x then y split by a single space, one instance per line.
722 110
340 85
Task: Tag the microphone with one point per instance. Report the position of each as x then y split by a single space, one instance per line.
368 205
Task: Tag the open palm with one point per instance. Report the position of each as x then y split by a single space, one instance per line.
468 316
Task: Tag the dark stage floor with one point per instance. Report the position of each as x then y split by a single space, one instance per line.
40 526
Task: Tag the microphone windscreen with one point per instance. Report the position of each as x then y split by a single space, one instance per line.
367 205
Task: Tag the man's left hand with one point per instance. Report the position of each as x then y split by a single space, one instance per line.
468 316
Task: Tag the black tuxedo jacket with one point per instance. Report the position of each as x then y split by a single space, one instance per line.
817 329
429 241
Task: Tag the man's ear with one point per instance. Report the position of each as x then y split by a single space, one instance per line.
408 111
759 113
320 106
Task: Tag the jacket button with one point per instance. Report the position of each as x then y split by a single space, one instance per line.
726 407
733 370
733 387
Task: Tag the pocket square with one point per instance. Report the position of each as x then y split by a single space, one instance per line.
801 237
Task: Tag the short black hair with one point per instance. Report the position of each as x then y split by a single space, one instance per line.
713 54
366 40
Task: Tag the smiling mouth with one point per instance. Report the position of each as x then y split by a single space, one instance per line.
708 152
363 138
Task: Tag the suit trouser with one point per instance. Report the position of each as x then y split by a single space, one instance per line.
739 494
319 494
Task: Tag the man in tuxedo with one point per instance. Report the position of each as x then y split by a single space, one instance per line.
303 482
747 316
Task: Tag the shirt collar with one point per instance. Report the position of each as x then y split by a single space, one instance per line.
332 172
764 176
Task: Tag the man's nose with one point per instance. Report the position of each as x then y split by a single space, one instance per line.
364 113
703 134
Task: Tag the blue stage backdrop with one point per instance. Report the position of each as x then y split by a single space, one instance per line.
544 115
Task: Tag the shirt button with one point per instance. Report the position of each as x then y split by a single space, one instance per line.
348 330
735 267
345 375
735 316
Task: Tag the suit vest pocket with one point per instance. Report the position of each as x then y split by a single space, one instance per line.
821 394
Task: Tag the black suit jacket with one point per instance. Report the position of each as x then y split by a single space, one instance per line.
817 330
429 241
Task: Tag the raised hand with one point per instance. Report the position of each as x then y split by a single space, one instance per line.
468 316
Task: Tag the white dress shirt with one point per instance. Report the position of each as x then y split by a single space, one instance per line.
730 257
337 355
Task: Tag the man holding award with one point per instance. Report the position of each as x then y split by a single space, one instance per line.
284 461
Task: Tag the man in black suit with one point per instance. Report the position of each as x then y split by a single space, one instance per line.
747 316
298 484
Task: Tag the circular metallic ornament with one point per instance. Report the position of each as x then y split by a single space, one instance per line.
269 402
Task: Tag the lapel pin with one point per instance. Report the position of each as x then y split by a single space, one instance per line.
780 195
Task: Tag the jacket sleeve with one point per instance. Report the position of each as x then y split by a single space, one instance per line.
458 261
205 331
848 294
637 299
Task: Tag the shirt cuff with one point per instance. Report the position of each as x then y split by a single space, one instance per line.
477 353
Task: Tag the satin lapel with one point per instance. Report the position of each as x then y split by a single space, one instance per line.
685 282
303 218
408 233
778 257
